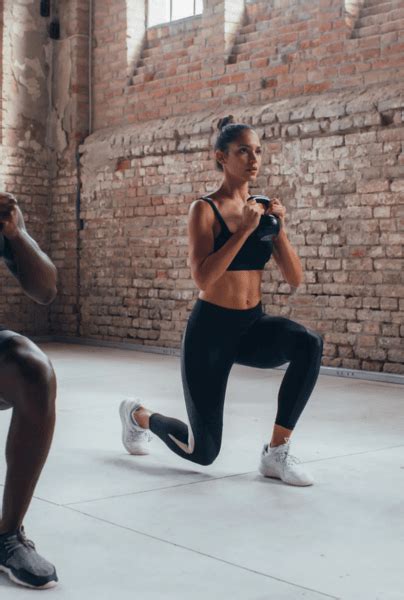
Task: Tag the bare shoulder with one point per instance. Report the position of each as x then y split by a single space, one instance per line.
201 211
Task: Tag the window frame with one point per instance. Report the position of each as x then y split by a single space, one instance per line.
195 14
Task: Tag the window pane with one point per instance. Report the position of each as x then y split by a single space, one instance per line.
159 12
183 8
199 7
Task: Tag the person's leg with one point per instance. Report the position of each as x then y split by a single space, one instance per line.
269 343
28 385
272 342
205 369
208 352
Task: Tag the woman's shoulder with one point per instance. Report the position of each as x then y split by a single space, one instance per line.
203 203
200 208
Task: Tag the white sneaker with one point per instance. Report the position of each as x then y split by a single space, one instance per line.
278 463
134 437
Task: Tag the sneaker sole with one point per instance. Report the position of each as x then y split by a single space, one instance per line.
14 579
141 450
277 477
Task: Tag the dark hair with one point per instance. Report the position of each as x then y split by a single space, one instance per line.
229 132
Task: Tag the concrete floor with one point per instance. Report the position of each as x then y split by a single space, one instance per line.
156 527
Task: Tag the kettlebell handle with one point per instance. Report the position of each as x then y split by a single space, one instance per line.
261 200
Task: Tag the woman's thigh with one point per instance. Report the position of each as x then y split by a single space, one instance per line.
205 368
270 342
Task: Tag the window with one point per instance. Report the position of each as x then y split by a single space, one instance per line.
164 11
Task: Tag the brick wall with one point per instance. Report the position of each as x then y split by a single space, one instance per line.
337 163
45 116
320 81
24 153
305 74
282 49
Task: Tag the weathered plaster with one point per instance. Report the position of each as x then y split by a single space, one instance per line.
62 107
25 68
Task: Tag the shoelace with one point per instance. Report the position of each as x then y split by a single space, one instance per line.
287 458
145 435
15 541
134 435
292 460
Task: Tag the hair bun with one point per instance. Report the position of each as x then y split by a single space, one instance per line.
225 121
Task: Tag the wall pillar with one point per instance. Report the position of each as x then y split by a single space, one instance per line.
221 20
136 32
69 124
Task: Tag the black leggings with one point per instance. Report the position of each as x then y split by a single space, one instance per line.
215 339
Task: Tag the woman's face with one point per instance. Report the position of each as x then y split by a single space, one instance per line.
244 156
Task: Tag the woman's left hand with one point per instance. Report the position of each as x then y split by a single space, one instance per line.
277 208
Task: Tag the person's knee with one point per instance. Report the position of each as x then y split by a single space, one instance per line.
310 343
315 342
206 458
35 377
206 454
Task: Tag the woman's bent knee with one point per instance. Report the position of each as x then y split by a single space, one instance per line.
315 342
206 456
309 342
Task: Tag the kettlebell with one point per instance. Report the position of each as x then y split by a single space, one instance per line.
269 225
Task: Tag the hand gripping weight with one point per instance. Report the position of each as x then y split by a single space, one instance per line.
269 225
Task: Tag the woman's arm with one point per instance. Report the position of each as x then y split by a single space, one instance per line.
283 252
206 266
287 260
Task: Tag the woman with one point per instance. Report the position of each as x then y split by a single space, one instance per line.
227 324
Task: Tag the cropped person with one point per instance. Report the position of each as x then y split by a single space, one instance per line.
28 387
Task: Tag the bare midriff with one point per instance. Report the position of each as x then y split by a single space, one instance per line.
235 289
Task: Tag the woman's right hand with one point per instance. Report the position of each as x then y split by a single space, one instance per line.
252 212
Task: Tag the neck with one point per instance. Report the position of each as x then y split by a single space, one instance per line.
235 189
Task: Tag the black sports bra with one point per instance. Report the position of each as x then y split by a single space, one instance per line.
254 253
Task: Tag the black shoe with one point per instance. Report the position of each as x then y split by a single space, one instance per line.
22 563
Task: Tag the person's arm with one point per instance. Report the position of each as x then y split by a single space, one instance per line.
283 252
34 270
208 266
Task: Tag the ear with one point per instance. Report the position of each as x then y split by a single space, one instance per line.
220 157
